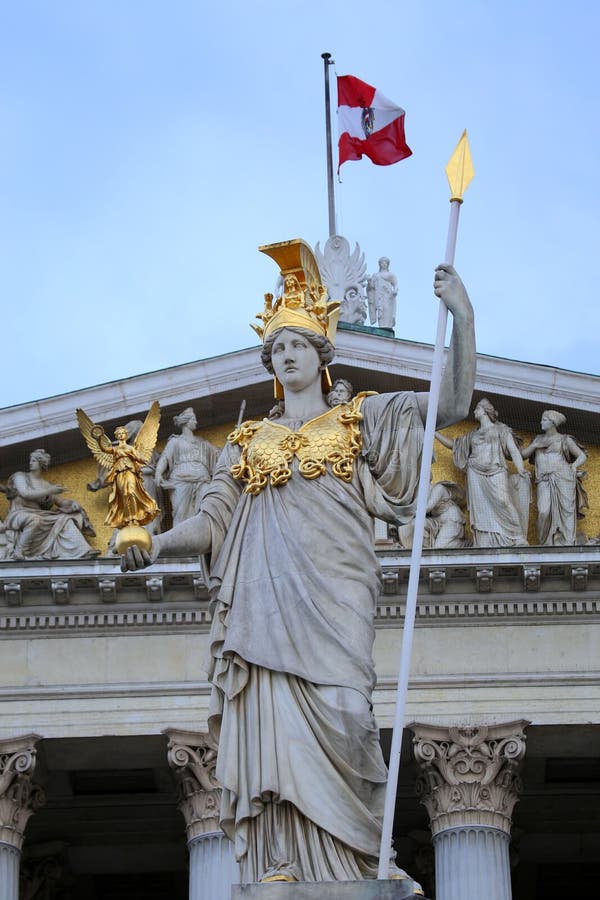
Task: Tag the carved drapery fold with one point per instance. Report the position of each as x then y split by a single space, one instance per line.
469 776
19 796
193 757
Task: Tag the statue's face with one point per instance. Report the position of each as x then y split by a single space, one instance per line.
189 420
339 394
479 412
121 434
546 423
295 361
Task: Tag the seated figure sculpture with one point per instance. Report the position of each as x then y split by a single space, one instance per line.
39 525
497 504
561 497
444 520
288 522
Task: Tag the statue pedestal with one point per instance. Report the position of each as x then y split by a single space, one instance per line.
327 890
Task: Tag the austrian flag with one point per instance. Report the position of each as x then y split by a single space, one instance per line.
370 124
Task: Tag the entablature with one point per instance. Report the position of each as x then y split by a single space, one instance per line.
529 585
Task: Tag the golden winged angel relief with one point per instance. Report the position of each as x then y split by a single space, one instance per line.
129 504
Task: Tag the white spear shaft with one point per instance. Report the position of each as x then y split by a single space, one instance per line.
417 547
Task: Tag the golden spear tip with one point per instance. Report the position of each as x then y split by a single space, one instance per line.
460 169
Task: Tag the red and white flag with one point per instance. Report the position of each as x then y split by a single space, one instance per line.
370 124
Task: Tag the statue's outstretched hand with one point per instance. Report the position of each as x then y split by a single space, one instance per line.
135 558
448 286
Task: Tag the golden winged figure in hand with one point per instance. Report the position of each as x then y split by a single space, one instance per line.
129 504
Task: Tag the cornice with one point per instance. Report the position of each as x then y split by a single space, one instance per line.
210 377
120 399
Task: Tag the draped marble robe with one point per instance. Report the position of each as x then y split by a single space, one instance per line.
491 500
561 497
294 583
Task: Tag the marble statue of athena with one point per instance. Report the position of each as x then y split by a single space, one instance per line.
286 526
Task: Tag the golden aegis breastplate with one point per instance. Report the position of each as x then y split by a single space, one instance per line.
331 440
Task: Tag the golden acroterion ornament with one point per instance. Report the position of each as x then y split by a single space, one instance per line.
130 506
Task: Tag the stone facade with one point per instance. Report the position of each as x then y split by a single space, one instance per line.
108 669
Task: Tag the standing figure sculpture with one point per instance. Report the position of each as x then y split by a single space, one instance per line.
148 478
39 525
129 503
288 522
382 288
497 503
560 494
185 467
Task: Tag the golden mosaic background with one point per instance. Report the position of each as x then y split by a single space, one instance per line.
74 477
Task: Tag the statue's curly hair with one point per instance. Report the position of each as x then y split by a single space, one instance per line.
491 411
42 456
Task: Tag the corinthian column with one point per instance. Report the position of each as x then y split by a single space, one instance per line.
213 869
469 784
19 798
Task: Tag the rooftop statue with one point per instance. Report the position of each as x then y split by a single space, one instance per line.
39 524
382 289
129 503
288 522
561 497
498 504
186 466
344 275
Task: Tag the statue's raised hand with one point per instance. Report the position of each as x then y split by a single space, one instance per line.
448 286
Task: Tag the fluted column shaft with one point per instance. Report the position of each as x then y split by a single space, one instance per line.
213 869
467 859
9 872
469 784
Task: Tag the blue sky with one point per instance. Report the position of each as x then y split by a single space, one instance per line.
148 148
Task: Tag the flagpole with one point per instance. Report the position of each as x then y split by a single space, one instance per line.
460 173
328 61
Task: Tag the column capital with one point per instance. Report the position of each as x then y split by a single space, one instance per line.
469 775
19 796
193 757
